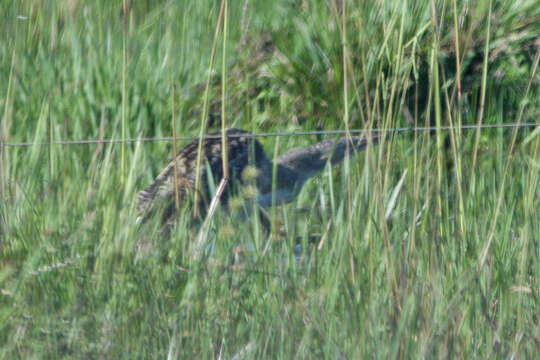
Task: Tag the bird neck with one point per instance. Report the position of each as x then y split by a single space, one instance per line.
298 165
308 161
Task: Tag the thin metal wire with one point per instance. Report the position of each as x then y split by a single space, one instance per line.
262 135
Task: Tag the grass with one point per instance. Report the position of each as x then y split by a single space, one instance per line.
421 253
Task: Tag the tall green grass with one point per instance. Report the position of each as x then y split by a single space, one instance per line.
425 246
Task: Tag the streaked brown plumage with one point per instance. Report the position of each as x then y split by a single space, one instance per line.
293 168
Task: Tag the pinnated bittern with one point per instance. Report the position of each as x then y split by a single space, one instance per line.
293 169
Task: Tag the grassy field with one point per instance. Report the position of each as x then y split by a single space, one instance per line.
427 246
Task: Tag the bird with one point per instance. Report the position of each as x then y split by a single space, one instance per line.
292 170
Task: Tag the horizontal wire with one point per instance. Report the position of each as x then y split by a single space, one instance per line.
262 135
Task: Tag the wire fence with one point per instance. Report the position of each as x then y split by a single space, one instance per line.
274 134
73 261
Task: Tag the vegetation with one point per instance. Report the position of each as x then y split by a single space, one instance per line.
425 246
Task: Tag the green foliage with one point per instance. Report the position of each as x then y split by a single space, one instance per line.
443 264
